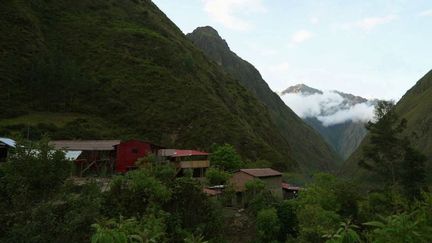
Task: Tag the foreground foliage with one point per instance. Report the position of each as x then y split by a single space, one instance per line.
39 202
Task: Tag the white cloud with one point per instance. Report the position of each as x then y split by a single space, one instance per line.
367 24
301 36
314 20
228 12
312 105
426 13
372 22
328 107
362 112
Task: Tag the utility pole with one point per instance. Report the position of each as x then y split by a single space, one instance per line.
28 132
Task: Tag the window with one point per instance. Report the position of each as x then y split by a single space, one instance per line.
135 150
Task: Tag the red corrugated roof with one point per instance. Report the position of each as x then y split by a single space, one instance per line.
262 172
185 153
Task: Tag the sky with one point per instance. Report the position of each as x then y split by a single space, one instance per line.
375 49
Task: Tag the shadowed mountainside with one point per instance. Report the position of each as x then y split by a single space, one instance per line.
121 69
308 147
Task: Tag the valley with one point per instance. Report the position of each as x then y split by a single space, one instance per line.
125 121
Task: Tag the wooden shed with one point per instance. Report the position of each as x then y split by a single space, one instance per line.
89 155
290 191
272 179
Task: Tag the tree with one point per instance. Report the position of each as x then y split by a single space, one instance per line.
216 176
383 155
131 195
226 158
191 210
390 155
38 202
268 225
412 172
323 204
287 216
345 234
404 227
315 222
148 229
31 175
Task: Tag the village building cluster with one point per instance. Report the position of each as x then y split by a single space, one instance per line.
97 157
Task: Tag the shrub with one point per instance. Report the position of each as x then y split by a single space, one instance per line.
216 176
148 229
226 158
131 194
268 225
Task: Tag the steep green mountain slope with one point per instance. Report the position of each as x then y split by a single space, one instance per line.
121 69
343 137
416 107
307 146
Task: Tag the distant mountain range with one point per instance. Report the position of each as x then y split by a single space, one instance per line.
301 89
307 146
339 117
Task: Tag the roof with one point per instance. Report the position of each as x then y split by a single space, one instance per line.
211 192
85 145
287 186
8 142
185 153
140 141
261 172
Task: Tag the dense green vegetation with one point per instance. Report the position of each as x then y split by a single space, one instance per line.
415 108
391 156
122 69
40 202
307 146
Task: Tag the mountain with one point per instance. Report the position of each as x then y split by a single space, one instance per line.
416 107
95 69
333 114
307 147
301 89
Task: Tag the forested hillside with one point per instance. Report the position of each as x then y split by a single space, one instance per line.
121 69
416 107
343 137
308 147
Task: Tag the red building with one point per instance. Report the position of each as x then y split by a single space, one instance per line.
128 152
113 155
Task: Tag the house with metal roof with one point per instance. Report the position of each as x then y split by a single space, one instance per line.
194 160
5 145
271 178
105 155
290 191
